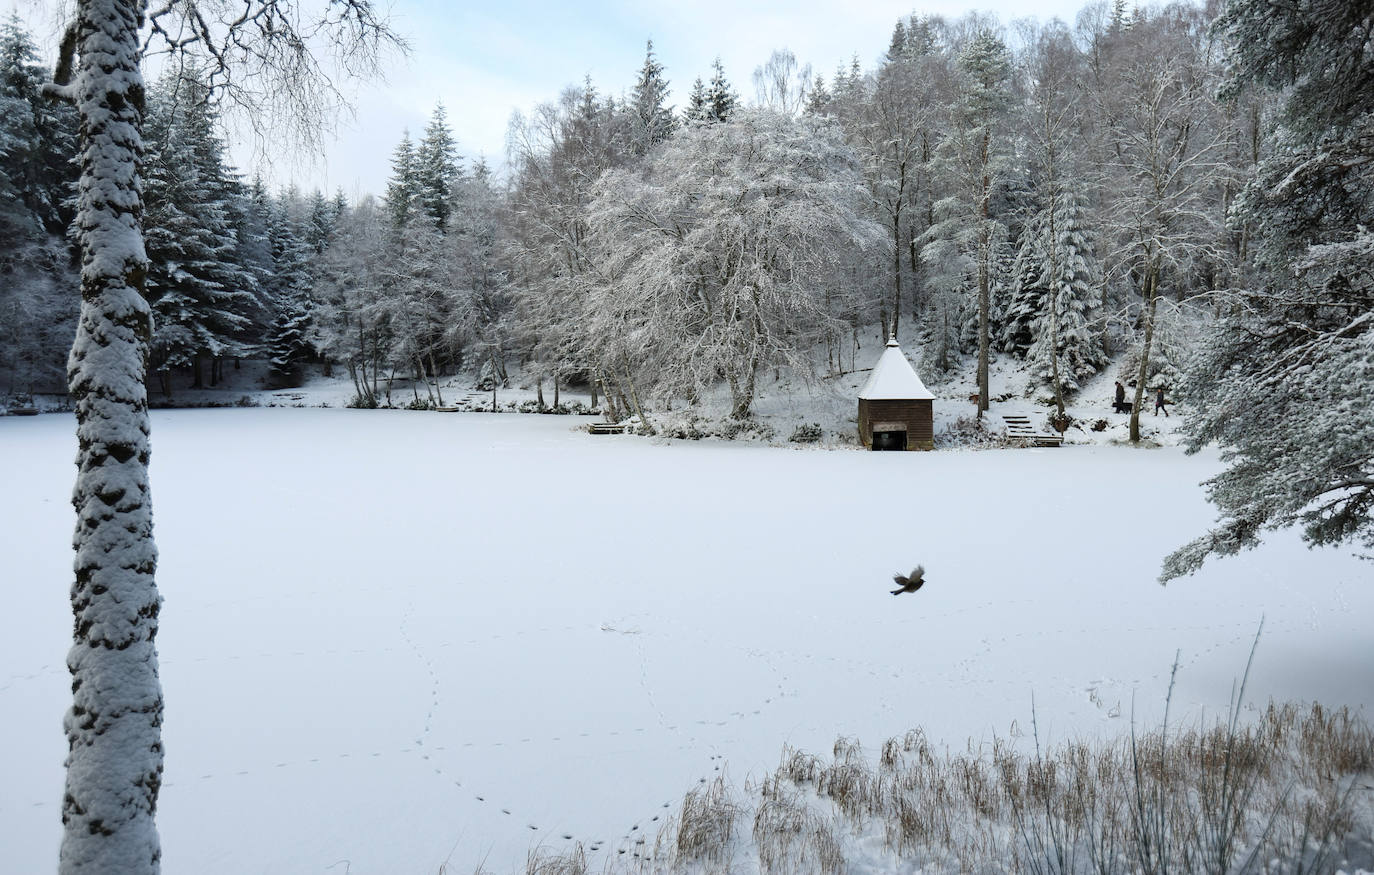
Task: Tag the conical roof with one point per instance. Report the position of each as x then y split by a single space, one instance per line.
894 379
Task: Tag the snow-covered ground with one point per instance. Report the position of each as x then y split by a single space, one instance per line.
395 639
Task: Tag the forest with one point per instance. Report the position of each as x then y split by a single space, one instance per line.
1180 190
1057 194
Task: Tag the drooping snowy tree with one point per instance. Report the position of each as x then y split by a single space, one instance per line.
479 273
115 759
895 132
1283 380
712 261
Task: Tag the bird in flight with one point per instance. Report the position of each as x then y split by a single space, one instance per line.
910 583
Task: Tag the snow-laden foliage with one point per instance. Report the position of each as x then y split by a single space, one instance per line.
203 297
1283 381
1058 278
651 119
714 260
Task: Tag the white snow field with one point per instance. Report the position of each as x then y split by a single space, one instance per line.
396 640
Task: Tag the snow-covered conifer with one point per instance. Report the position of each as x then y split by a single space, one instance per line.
436 169
1067 340
203 299
403 189
1283 380
651 119
721 99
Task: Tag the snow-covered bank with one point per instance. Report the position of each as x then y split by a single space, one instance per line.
384 630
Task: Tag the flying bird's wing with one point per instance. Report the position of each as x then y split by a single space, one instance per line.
899 580
918 573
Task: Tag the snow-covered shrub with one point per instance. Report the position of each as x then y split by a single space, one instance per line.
807 433
969 432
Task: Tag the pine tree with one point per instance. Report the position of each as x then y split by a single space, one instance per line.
436 169
289 337
37 139
320 226
403 189
1070 291
897 46
696 103
721 99
202 296
651 119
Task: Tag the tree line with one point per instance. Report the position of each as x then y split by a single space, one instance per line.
1052 193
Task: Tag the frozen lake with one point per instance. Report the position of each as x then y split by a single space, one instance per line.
392 639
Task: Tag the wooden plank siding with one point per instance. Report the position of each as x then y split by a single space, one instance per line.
918 415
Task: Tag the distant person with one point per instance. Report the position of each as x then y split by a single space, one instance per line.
1121 406
1159 402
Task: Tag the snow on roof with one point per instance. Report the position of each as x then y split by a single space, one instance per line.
894 378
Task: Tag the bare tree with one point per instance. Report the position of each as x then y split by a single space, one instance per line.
256 57
896 140
1161 164
781 84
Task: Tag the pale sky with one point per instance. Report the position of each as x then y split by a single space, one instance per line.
483 61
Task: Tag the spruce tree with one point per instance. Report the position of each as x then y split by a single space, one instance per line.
436 169
202 296
1070 284
37 138
403 189
651 118
289 337
696 102
721 99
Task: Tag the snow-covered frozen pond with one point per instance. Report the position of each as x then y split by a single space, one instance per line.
399 639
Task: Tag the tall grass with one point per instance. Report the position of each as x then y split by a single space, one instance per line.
1290 792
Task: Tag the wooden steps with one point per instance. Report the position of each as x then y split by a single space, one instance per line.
1020 428
606 428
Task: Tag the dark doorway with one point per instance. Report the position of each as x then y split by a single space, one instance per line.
889 440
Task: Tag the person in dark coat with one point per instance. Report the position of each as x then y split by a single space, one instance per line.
1159 402
1121 406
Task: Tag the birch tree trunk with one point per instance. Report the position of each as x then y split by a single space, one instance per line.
984 269
1151 301
114 760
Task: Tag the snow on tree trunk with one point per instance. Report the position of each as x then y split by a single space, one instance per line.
1151 305
114 766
